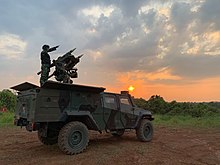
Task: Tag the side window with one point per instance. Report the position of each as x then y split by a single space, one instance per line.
125 101
110 102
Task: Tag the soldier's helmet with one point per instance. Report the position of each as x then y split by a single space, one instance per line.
45 47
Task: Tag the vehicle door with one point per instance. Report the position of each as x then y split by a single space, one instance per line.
111 112
127 111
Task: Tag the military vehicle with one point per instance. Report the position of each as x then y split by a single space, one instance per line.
64 113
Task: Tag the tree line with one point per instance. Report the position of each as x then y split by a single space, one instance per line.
157 105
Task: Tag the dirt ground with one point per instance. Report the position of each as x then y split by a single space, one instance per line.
169 146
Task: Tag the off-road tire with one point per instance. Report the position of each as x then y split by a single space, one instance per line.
145 131
118 132
52 138
73 138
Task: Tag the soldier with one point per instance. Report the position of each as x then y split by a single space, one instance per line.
45 62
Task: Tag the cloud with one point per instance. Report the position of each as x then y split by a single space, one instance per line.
12 46
196 67
164 42
181 15
97 11
129 8
209 14
156 39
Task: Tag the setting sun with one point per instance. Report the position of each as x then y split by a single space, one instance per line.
131 88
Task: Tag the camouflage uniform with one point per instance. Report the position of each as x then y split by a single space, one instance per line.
45 63
45 68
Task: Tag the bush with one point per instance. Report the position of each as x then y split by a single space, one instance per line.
156 104
175 110
7 100
141 103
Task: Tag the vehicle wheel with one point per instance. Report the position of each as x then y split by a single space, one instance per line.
52 137
73 138
118 132
145 131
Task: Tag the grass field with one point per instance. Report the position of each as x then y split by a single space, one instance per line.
188 121
6 119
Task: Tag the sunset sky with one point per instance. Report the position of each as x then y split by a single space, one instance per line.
169 48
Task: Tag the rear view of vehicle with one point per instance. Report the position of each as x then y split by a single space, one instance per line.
60 113
26 102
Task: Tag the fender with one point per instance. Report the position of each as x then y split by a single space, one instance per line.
81 114
143 115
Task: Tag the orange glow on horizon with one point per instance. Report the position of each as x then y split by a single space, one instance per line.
190 91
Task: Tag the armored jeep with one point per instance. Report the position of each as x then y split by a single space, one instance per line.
63 113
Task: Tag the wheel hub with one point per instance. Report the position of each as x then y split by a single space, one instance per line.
147 131
75 138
